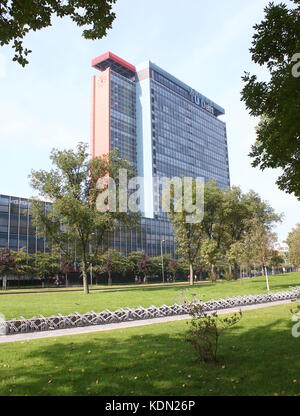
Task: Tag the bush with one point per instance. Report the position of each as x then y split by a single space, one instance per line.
205 330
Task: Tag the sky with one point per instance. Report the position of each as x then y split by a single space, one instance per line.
204 44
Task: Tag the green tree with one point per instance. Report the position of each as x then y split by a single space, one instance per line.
293 241
277 102
24 264
277 260
73 188
173 267
19 17
47 265
210 254
262 246
236 255
140 263
111 262
7 264
67 262
156 264
188 233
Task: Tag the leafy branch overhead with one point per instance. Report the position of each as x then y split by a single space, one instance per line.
19 17
275 45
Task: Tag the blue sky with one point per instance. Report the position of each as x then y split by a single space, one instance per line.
205 44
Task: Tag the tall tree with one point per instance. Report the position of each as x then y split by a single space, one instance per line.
188 233
236 255
19 17
75 217
276 45
210 255
293 241
262 242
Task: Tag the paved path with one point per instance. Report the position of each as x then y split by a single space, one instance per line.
122 325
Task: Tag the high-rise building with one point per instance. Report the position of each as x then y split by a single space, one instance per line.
162 126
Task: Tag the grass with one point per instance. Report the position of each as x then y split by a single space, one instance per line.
29 305
259 356
77 288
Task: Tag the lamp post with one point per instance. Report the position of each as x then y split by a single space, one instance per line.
91 274
162 260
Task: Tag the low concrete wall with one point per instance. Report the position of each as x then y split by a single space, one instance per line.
41 323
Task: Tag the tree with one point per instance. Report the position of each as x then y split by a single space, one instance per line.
47 265
73 188
24 264
156 264
236 254
140 263
210 255
173 267
277 102
277 260
111 262
188 233
293 241
15 264
19 17
262 245
67 263
7 264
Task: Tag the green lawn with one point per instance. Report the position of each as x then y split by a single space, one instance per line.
29 305
257 357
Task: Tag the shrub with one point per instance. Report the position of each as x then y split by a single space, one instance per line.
205 330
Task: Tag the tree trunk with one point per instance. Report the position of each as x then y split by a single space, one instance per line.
267 279
4 282
213 274
84 278
109 279
229 271
67 283
191 275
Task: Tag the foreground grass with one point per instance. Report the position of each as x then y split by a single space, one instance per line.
257 357
29 305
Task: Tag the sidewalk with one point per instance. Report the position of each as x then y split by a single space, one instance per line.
122 325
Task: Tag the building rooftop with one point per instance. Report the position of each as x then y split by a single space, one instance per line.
117 64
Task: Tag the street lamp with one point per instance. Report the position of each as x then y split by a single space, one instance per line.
162 260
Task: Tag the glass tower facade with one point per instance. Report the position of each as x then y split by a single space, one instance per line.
165 128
